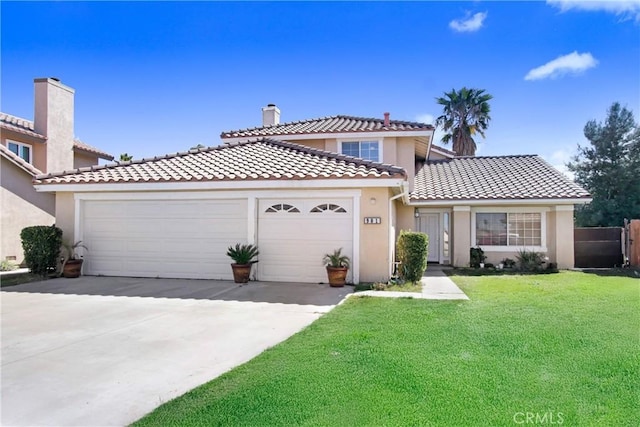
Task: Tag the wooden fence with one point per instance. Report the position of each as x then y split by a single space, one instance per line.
633 234
598 247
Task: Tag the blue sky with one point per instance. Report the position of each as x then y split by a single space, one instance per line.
159 77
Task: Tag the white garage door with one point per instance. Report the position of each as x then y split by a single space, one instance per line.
294 234
162 238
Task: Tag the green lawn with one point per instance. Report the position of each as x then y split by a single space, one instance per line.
564 347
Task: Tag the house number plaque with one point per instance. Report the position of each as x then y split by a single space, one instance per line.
372 220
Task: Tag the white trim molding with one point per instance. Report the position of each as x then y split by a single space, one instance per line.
361 140
221 185
21 144
507 202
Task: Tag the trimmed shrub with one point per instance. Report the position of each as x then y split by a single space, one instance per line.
412 249
530 260
41 246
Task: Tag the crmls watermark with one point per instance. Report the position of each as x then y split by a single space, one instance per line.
549 418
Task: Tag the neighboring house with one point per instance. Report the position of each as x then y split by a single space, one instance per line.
31 148
302 189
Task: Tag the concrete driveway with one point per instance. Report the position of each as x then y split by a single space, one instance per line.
106 351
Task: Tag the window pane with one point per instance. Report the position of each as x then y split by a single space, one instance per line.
445 236
24 153
351 149
369 150
13 148
491 229
525 229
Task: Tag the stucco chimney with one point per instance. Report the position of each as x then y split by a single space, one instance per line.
386 120
270 115
53 118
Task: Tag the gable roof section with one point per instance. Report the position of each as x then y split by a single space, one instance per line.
332 124
20 125
26 127
81 146
18 161
262 159
493 178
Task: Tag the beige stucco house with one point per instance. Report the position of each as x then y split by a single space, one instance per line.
30 148
302 189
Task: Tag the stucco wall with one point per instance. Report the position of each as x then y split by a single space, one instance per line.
54 115
405 217
406 157
22 207
374 238
38 147
461 230
83 160
562 238
65 215
559 236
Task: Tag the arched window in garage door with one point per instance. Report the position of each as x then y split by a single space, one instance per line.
282 207
328 207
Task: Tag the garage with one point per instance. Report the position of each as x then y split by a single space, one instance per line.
162 238
175 216
294 235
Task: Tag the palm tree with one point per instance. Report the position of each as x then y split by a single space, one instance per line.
125 157
465 113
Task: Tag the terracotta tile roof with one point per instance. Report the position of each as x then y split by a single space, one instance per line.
81 146
262 159
24 126
443 150
17 124
332 124
18 161
493 178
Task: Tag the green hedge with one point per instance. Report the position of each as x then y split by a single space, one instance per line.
41 246
412 249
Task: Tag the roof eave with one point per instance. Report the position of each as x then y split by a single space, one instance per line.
331 135
217 185
513 201
100 154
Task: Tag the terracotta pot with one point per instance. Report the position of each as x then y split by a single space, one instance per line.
337 276
241 272
72 268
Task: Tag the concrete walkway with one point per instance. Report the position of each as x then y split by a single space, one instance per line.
435 285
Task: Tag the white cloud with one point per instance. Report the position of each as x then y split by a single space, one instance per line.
468 23
573 63
426 118
559 160
623 8
431 119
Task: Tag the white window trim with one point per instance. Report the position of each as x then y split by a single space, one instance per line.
512 209
22 144
378 140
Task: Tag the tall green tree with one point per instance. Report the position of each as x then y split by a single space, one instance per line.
465 113
609 168
125 157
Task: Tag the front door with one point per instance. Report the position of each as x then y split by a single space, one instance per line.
430 224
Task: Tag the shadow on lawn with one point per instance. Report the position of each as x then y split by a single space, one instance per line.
609 272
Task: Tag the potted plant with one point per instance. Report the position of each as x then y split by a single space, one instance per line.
477 257
72 263
337 267
243 256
